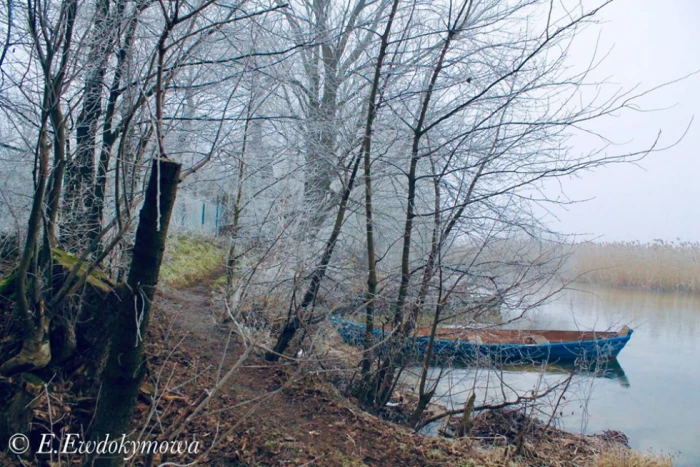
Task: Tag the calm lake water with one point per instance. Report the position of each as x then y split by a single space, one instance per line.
655 397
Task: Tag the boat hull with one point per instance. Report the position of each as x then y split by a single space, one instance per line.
470 352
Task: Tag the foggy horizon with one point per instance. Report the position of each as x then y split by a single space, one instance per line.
647 44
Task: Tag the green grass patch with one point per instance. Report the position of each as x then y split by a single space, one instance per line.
219 283
189 259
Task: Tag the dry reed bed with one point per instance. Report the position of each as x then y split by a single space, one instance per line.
660 265
627 458
546 446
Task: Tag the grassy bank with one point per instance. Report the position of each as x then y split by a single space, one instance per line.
189 259
662 266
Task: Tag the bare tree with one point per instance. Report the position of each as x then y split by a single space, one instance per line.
118 138
323 85
450 115
479 144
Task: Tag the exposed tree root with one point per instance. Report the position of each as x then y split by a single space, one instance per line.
35 353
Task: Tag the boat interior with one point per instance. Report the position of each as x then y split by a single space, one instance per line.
523 337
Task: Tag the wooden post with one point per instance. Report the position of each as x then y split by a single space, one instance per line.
465 424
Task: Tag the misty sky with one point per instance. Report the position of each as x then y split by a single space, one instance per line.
649 43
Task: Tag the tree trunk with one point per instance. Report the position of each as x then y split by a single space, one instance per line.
109 133
54 85
80 171
322 129
385 378
371 292
231 262
124 370
425 396
36 351
294 319
418 134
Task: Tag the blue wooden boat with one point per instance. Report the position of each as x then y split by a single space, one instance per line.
501 345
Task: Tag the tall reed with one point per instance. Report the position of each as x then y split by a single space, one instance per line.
659 265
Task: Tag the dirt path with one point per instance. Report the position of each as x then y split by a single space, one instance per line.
299 418
195 312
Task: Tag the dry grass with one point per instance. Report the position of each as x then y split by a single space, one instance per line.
498 433
663 266
627 458
189 259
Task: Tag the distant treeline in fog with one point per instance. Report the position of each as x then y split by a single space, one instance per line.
659 265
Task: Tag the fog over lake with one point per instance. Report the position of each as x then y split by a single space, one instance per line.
649 43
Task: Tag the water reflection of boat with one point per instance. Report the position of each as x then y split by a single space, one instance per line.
503 346
607 369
